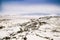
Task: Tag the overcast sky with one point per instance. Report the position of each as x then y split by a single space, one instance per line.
30 7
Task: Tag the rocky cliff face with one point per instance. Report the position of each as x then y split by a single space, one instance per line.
42 28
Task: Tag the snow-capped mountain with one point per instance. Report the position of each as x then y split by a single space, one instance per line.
26 28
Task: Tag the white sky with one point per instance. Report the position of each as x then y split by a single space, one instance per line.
26 9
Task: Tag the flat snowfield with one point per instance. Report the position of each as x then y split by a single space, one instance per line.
29 27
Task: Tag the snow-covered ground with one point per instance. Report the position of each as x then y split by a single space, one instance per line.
29 28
